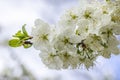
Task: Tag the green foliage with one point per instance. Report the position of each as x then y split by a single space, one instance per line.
15 43
27 44
19 35
107 0
24 30
21 39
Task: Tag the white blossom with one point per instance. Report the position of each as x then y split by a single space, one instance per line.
51 59
41 34
69 19
63 41
81 35
94 42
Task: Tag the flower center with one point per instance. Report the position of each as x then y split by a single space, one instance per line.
44 36
87 14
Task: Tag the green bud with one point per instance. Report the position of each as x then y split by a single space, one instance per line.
27 44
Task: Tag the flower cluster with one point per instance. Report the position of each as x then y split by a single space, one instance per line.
80 36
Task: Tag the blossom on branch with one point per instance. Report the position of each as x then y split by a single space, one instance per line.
81 35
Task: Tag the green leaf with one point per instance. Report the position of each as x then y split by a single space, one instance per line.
19 35
27 45
107 0
24 30
20 39
15 43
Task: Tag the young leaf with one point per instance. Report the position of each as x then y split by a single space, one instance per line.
15 43
27 44
20 39
19 35
24 30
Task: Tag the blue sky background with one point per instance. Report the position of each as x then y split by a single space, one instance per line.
15 13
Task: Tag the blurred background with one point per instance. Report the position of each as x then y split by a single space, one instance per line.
25 64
